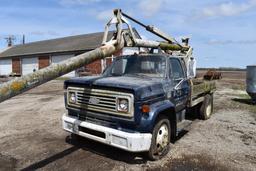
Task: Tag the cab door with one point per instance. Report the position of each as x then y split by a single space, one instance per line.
180 84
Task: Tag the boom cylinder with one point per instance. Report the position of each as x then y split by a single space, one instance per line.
24 83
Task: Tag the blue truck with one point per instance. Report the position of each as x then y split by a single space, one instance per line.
139 103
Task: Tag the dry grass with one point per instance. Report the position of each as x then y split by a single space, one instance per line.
238 87
244 102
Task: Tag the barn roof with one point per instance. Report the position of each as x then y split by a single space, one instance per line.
77 43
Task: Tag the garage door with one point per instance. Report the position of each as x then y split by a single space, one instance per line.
5 66
29 65
60 58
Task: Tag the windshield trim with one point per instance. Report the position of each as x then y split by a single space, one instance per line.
107 71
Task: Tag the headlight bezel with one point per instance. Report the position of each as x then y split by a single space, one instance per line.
71 95
119 108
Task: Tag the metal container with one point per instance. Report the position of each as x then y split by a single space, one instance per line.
251 82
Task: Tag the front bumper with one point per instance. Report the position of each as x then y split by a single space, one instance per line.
133 142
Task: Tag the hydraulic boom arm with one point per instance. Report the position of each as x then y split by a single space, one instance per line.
120 39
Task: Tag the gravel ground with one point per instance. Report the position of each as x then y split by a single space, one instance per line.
31 137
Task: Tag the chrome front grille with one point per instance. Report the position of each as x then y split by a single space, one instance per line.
98 100
85 98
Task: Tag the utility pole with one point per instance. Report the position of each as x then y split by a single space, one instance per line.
10 39
23 39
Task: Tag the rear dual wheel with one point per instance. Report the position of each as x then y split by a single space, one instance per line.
206 108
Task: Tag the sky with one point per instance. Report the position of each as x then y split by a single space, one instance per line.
222 32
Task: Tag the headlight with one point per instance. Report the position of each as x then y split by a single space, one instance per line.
72 97
122 105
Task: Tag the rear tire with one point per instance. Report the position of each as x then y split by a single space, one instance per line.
160 139
206 108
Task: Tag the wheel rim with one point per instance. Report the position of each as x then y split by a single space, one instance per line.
209 110
162 139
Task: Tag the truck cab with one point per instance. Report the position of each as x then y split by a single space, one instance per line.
137 104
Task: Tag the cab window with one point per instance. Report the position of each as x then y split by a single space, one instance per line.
176 71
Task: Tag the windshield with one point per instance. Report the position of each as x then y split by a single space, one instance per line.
150 66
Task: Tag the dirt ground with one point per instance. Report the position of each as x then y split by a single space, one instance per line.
31 136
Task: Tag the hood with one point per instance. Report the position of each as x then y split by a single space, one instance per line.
143 88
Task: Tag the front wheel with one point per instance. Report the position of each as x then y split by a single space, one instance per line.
160 139
76 137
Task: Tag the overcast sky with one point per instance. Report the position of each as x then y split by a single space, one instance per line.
223 32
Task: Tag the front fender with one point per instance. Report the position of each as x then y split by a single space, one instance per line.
148 120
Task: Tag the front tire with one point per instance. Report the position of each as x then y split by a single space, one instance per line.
76 137
160 139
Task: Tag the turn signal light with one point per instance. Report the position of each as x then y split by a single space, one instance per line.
145 108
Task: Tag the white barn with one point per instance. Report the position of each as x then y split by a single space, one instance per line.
24 59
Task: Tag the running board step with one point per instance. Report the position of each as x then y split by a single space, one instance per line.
183 125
